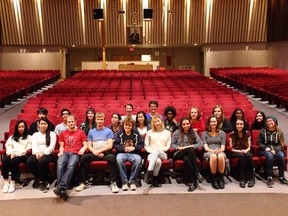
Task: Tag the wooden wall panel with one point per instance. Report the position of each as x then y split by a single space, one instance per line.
227 22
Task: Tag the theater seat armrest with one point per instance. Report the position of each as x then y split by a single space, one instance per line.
171 150
228 148
143 150
254 150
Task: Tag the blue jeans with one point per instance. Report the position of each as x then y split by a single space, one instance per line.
66 166
269 160
135 159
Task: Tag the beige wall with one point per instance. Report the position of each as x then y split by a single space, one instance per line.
278 55
235 55
29 58
218 55
179 56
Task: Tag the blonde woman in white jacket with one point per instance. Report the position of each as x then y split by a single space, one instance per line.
16 148
157 142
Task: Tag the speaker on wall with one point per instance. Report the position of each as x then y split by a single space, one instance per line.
98 13
148 13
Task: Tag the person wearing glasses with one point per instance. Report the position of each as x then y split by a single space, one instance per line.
63 126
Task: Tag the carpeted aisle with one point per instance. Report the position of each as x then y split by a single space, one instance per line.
163 204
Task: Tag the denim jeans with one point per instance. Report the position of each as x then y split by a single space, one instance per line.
135 159
66 166
269 160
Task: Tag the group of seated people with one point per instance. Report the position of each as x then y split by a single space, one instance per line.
129 135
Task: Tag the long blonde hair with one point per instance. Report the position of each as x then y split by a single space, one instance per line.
157 116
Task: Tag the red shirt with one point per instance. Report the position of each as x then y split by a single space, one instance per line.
200 126
73 140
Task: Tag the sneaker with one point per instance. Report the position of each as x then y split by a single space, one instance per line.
11 187
114 187
5 187
125 186
82 186
270 182
283 180
133 187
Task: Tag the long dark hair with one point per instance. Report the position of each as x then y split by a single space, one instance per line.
261 124
240 142
191 135
17 135
145 118
234 117
118 115
86 123
47 132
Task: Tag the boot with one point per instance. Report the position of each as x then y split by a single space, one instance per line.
251 182
155 181
214 182
193 186
148 176
221 181
242 181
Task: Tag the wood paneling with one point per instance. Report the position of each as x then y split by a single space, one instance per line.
227 22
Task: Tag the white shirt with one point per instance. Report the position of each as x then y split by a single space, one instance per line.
18 148
39 143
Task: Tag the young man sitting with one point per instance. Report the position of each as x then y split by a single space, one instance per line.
72 144
129 144
100 143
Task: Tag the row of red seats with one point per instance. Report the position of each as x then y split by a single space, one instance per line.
208 94
17 84
269 84
177 165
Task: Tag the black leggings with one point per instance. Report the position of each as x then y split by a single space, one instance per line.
40 168
245 162
13 165
190 160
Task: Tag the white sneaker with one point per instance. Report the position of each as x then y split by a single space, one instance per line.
11 187
5 187
125 187
132 186
114 187
82 186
